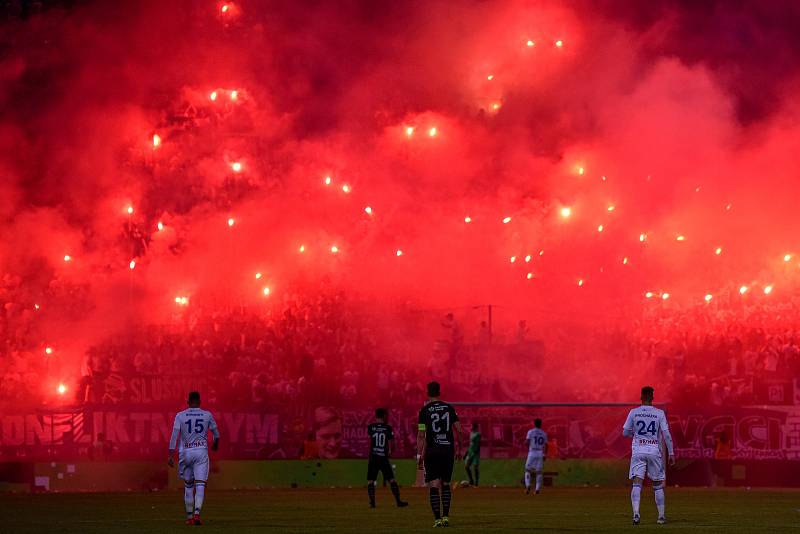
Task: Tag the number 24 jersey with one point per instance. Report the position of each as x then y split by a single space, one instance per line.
648 425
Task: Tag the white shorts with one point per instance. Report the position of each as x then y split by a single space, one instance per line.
193 464
650 464
534 463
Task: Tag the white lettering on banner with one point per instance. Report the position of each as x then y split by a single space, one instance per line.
755 433
13 430
261 430
159 429
233 422
35 430
127 427
116 428
97 425
138 420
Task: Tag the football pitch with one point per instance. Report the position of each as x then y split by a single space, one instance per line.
482 510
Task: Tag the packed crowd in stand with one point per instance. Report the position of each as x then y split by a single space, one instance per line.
732 351
310 351
24 356
321 348
726 354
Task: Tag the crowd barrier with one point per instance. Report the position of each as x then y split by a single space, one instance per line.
26 477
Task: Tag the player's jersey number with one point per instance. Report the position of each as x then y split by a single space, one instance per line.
645 429
539 440
197 424
380 439
436 419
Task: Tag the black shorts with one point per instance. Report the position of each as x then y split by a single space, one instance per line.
379 464
439 465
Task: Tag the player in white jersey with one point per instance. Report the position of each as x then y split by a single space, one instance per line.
648 427
190 430
537 452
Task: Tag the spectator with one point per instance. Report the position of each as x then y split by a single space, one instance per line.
310 449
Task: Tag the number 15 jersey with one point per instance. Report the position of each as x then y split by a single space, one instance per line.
192 427
437 419
648 426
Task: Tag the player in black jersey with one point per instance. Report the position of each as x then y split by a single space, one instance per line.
438 443
381 438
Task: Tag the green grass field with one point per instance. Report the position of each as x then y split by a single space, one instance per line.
345 510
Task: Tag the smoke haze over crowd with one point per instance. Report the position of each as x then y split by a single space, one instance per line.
571 163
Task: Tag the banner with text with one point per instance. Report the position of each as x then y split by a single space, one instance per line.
326 432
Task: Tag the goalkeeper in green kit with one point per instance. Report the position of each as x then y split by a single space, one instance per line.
473 457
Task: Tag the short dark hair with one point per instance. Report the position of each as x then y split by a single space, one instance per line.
647 392
475 425
380 413
434 389
194 396
537 423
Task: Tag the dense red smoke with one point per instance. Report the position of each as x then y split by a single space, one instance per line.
568 163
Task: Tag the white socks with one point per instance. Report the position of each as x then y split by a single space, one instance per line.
659 493
636 496
539 479
188 499
199 495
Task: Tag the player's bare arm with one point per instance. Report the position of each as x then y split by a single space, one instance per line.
173 442
457 428
212 426
420 445
627 428
668 442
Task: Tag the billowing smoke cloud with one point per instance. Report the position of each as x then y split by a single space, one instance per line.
602 131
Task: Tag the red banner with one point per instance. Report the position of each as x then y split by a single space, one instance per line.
141 433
